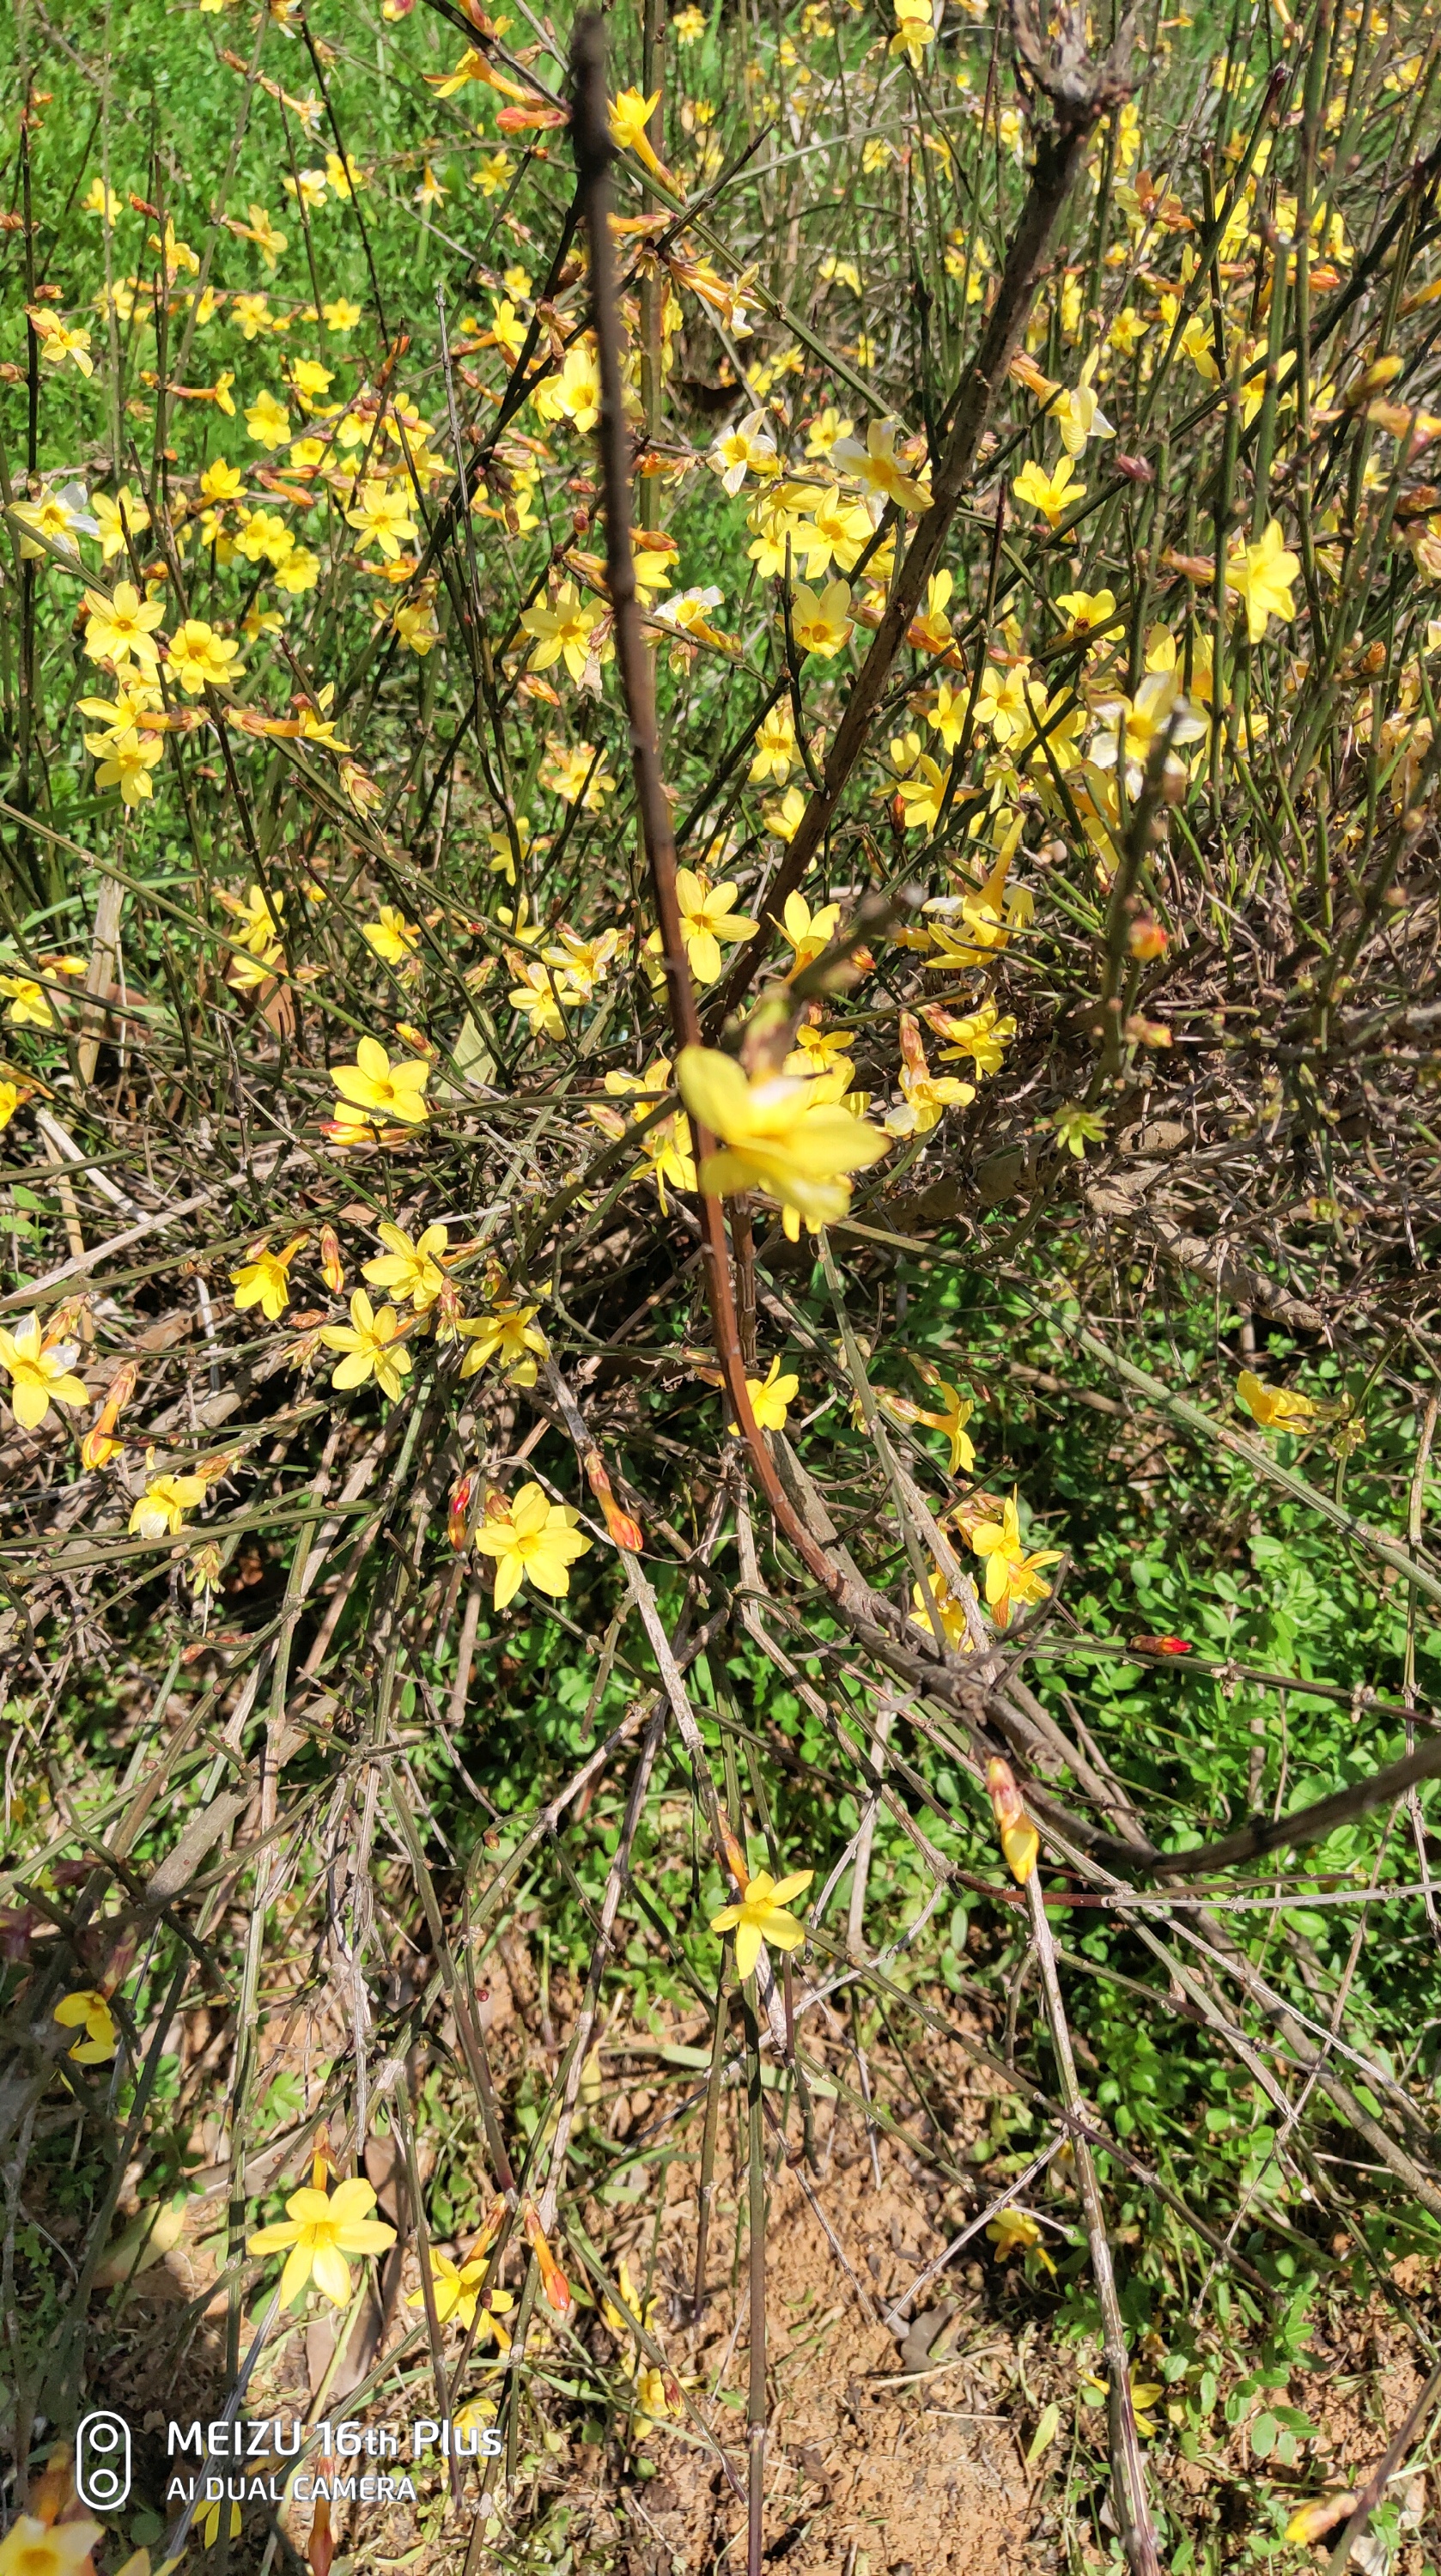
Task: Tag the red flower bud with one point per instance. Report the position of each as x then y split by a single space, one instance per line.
457 1525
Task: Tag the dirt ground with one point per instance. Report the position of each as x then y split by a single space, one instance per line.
893 2448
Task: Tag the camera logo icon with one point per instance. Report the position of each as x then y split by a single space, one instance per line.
102 2461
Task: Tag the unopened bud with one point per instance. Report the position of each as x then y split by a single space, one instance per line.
490 2227
98 1447
457 1523
1147 937
332 1268
552 2279
320 2549
736 1861
1134 468
1019 1839
625 1530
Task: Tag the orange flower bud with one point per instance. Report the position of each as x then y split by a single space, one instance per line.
98 1448
1019 1840
553 2280
457 1526
321 2547
489 2229
736 1861
625 1531
1147 937
332 1268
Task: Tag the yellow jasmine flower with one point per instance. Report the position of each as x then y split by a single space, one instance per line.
708 916
1014 2231
1011 1575
821 624
927 1096
1136 725
267 420
835 527
1261 576
784 820
922 794
39 1372
415 623
199 658
1276 1408
61 340
125 516
950 1612
373 1088
948 715
507 329
819 1050
371 1347
164 1504
561 628
541 995
760 1919
790 1139
263 1278
456 2291
1088 609
532 1539
878 470
565 773
340 314
747 449
383 517
222 481
121 626
34 2548
90 2010
807 934
508 1333
410 1270
1078 414
584 962
981 1034
56 516
393 938
771 1398
953 1422
930 630
1052 494
264 536
914 31
775 747
1019 1839
319 2229
665 1149
125 759
630 114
